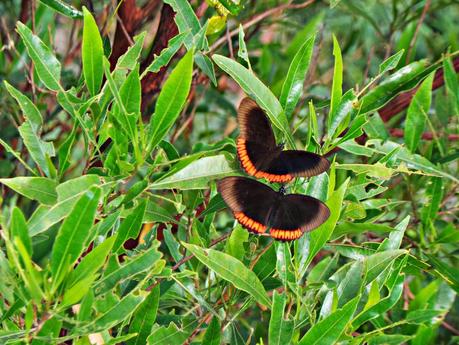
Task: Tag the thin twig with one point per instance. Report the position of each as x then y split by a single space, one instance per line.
123 28
399 133
259 18
418 27
188 258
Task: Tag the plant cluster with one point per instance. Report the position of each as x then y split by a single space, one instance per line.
118 119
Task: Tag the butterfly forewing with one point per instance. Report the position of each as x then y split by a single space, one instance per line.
262 158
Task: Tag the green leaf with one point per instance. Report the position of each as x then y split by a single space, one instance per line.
186 20
292 88
389 339
75 293
72 235
148 260
448 273
129 59
135 191
130 227
242 50
340 115
171 335
232 6
144 318
424 316
337 86
18 228
29 110
328 330
435 195
65 151
255 89
39 150
417 113
451 81
166 54
206 65
92 53
395 237
46 64
36 188
280 330
391 62
403 79
128 115
63 8
171 100
381 306
130 93
116 314
375 127
67 195
50 328
235 243
197 175
378 262
92 262
350 228
403 155
321 235
212 335
232 270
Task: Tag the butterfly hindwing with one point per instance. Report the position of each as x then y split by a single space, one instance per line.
295 214
258 208
249 200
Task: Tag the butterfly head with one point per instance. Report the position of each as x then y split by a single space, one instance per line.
281 145
282 190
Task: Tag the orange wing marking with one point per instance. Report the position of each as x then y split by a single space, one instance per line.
248 166
249 223
285 235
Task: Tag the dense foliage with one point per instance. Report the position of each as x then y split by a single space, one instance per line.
117 118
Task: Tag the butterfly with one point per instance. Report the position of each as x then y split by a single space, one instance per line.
258 208
261 157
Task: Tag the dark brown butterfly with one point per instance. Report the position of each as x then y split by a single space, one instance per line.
258 208
261 157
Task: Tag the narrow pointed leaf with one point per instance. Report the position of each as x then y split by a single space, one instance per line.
46 64
144 318
232 270
72 235
328 330
417 114
36 188
293 84
171 100
92 53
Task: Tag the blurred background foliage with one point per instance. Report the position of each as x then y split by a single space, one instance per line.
117 117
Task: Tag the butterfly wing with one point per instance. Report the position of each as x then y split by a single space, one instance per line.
250 201
297 163
256 145
254 125
259 155
295 214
